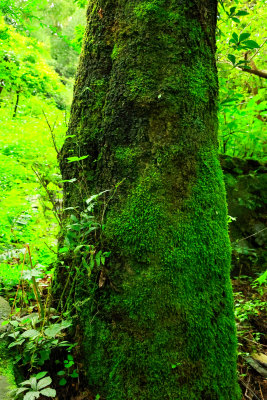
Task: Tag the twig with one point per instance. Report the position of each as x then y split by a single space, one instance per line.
49 195
50 248
51 129
35 287
24 258
257 72
110 198
254 234
261 392
248 388
258 50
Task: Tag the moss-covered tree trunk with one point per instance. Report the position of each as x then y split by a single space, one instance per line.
157 320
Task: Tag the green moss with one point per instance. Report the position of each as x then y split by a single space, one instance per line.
116 51
166 315
162 325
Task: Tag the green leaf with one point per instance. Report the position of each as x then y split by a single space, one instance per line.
45 355
55 329
262 278
244 64
33 381
30 273
92 262
14 323
232 10
232 58
48 392
75 158
85 263
62 382
244 36
63 250
61 373
69 180
21 390
68 364
31 395
16 343
28 382
30 334
251 44
80 246
241 13
74 374
235 37
237 20
103 259
40 375
98 258
95 196
44 382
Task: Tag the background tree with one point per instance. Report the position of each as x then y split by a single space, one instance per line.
157 319
26 71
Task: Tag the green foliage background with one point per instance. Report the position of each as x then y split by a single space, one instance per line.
243 107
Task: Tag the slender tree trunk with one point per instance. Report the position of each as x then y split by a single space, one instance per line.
1 89
157 321
16 105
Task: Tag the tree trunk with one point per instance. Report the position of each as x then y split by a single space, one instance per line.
157 321
16 105
1 89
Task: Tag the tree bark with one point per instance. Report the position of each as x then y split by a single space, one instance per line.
157 321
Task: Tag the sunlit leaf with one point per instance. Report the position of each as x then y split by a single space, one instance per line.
251 44
232 58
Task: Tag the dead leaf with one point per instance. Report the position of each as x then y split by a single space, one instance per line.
102 279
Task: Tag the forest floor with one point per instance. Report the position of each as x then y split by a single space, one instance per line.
250 309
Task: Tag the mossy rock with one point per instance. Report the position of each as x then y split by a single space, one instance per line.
4 312
7 377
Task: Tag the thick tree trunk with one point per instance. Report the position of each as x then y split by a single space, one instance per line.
157 321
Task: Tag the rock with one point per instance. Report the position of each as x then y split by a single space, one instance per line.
4 388
261 358
7 379
5 311
7 376
257 366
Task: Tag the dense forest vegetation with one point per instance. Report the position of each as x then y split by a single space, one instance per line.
59 189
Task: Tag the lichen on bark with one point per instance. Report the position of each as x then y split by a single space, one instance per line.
144 112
